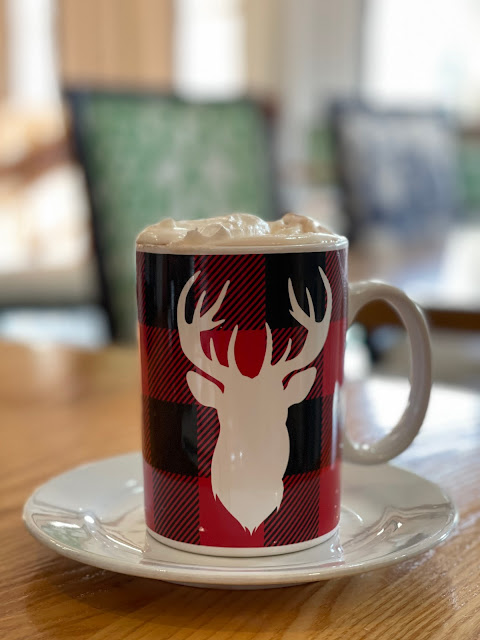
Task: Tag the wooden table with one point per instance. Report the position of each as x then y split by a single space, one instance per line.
59 408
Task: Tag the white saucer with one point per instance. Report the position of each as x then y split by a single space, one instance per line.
94 514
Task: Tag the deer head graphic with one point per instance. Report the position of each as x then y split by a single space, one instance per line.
253 446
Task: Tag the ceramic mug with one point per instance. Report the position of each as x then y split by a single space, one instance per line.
242 354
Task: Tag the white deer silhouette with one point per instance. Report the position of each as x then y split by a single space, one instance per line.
253 446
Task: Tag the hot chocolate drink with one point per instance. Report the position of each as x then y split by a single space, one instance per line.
238 232
242 327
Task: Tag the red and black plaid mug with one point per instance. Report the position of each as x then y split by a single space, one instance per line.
242 353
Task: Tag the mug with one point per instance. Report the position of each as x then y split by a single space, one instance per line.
242 352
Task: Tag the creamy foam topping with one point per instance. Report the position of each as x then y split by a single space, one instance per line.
236 230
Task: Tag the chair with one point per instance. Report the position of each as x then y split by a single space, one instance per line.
396 170
148 156
399 182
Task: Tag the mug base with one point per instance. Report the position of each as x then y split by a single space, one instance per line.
242 552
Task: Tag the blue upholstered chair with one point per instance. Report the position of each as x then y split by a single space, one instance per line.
396 170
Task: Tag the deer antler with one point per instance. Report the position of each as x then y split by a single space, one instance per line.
316 336
189 333
191 344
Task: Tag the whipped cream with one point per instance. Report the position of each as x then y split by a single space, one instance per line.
238 232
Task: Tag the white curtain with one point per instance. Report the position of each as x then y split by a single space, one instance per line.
32 79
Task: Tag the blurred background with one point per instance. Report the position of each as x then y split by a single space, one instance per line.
362 113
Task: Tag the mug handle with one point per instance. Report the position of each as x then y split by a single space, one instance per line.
403 433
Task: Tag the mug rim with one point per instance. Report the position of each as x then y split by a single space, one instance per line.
336 244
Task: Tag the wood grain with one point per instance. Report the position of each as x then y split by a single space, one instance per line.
116 42
59 408
3 50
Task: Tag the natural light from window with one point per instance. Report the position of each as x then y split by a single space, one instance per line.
426 52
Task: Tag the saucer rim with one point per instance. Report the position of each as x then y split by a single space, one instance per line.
228 577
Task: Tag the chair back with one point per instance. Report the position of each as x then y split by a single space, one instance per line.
150 156
396 169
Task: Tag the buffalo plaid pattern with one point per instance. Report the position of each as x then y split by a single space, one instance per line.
179 434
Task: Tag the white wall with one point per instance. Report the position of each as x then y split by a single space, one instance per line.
320 48
263 46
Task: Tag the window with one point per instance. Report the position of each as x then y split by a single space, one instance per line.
426 52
